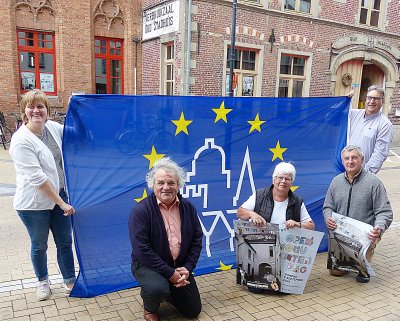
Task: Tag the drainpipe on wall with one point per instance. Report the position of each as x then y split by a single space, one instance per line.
189 34
136 41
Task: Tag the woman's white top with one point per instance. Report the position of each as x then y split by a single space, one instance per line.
34 165
279 211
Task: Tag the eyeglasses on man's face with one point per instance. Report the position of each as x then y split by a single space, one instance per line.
374 98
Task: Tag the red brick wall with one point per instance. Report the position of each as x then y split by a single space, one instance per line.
73 25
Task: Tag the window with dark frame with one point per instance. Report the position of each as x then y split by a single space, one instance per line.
245 70
37 63
370 11
109 65
292 76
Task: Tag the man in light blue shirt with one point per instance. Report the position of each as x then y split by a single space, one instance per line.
371 130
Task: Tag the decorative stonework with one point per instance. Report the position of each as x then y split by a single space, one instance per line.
298 39
109 13
35 6
248 31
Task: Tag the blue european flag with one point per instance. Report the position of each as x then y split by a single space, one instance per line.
229 147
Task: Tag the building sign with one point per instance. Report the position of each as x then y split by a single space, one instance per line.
161 20
367 41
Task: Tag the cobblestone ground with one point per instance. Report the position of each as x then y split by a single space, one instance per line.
325 297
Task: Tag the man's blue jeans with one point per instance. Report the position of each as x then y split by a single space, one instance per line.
39 223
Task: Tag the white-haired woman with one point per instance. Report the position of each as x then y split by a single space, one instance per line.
277 203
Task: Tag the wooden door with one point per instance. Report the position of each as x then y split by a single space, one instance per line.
348 74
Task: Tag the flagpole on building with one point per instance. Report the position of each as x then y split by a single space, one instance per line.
232 49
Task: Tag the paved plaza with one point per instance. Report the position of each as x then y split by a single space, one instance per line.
325 297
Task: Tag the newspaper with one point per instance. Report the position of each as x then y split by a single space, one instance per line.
274 258
348 245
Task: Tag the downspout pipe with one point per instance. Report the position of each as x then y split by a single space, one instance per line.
136 42
189 39
232 49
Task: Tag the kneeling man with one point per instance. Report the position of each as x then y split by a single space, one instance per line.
166 239
359 195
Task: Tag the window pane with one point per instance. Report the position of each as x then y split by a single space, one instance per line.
97 42
363 16
286 63
112 47
170 52
41 37
283 88
115 68
364 3
290 4
49 45
26 60
118 52
49 38
22 42
21 34
297 88
305 6
298 66
248 86
101 87
228 57
29 36
170 72
170 88
249 60
97 50
116 86
28 80
101 67
377 5
46 62
374 18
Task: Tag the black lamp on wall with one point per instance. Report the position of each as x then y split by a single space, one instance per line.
272 39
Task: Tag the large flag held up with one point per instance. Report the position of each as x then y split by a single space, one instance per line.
229 147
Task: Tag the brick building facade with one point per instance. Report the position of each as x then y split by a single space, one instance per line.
68 46
283 48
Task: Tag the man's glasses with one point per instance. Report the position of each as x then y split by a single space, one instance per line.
374 98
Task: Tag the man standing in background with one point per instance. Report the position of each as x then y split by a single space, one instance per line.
371 130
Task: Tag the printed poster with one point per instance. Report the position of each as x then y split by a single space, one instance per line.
275 259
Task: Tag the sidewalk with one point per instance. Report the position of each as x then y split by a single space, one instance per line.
325 297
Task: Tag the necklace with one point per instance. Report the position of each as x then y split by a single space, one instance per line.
40 136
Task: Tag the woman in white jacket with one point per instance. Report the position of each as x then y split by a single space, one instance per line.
40 198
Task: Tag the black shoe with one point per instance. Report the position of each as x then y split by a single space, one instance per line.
361 278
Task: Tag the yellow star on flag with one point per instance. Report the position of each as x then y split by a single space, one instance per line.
221 113
293 188
256 123
143 196
278 151
224 267
181 124
153 157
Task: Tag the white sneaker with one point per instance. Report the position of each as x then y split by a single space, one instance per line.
67 290
43 290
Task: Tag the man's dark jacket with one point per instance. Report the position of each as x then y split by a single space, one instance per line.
150 242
